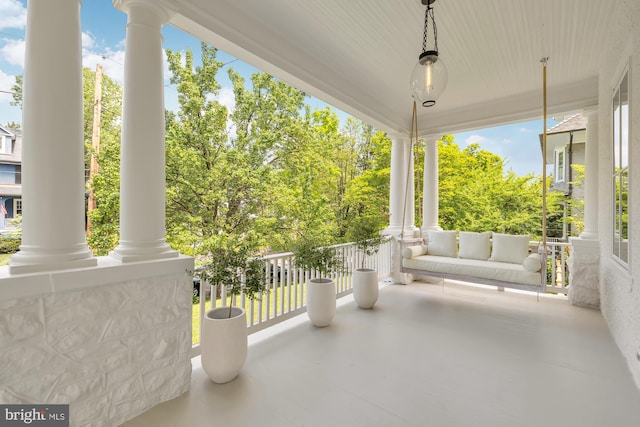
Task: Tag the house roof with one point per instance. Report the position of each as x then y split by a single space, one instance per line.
358 55
570 130
575 122
6 131
16 151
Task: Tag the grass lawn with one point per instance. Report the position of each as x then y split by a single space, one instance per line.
4 259
279 300
274 301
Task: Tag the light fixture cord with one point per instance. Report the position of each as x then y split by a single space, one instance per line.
430 14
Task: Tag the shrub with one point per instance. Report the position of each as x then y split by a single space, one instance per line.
9 245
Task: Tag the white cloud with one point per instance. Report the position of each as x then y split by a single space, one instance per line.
13 52
526 130
9 112
87 40
476 139
227 98
6 82
12 14
506 141
112 62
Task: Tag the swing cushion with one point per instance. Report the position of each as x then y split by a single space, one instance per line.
532 263
442 243
475 245
413 251
510 248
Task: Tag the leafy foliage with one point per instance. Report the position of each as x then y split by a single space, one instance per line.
16 90
476 195
322 259
365 233
273 174
234 268
9 245
104 233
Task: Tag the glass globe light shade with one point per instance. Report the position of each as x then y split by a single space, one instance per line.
429 78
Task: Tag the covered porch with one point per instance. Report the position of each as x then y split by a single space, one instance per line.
428 354
112 335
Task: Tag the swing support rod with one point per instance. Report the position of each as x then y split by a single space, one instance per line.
543 250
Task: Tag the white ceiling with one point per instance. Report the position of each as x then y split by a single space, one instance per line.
358 54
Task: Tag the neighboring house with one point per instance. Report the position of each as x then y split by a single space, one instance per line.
565 148
10 174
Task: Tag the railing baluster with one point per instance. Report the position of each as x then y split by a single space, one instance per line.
287 286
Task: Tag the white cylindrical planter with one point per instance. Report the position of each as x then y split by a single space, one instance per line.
224 343
365 287
321 301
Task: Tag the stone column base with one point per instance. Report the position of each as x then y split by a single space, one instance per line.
584 273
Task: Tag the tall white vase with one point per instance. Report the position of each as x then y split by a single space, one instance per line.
365 287
321 301
224 343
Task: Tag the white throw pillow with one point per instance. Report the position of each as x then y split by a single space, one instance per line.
474 245
532 263
510 248
442 243
413 251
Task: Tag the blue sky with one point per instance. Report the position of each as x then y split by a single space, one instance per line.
103 34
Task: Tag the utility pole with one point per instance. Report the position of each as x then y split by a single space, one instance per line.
95 142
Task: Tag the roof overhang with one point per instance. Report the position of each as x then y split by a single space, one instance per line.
358 55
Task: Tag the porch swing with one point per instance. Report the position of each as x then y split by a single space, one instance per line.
495 259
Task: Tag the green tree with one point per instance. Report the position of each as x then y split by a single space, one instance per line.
16 90
12 125
105 219
476 194
104 231
575 206
367 195
220 185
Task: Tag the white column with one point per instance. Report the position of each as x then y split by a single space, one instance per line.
142 161
430 199
53 150
591 177
396 187
401 160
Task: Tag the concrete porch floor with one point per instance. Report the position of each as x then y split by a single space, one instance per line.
426 355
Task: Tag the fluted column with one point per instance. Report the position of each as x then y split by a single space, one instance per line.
396 186
401 162
142 158
53 150
430 199
591 177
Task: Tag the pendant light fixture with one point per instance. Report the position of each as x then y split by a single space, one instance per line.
429 77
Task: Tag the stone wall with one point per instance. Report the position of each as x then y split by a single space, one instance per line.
620 284
584 273
111 351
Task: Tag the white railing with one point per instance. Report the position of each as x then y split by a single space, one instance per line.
557 270
286 293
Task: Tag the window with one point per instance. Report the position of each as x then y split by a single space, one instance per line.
621 171
560 164
7 174
5 144
17 206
